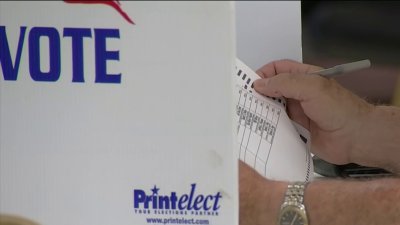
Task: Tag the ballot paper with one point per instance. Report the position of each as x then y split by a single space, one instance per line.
271 143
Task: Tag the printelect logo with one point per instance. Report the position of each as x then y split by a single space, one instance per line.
172 203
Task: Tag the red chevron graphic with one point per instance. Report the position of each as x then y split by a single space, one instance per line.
114 4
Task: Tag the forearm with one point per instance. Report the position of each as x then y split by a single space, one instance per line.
378 140
334 202
328 202
259 198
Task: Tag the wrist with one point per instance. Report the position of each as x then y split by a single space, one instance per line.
379 149
293 209
259 198
276 197
271 201
359 148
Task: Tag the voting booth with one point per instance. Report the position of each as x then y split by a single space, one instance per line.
119 112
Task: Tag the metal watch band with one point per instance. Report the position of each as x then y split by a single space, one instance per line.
293 210
295 193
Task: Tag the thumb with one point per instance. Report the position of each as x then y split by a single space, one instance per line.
295 86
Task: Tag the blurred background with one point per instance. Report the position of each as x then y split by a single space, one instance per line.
336 32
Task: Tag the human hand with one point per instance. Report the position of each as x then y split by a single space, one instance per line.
333 115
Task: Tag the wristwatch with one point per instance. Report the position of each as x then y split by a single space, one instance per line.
293 211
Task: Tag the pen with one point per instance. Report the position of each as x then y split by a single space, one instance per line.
344 68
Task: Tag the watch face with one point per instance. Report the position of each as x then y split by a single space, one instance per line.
292 215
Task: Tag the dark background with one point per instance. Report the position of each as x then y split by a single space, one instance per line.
335 32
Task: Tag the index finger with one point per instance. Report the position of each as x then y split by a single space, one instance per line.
285 66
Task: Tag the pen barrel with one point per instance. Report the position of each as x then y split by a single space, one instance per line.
344 68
